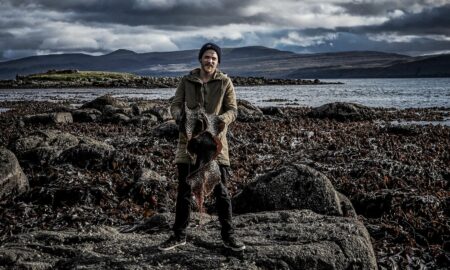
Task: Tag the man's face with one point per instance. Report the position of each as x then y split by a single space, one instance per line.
209 61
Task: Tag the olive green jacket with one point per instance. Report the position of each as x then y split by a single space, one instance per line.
217 96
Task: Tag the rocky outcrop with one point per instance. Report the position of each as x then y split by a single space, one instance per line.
149 107
87 153
44 146
168 130
105 103
295 186
247 112
86 79
86 115
343 111
275 240
12 179
49 118
274 111
149 186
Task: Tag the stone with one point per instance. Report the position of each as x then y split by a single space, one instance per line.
247 112
294 186
343 111
150 187
168 130
43 147
100 103
160 110
274 111
86 115
291 239
49 118
88 153
146 119
118 118
13 181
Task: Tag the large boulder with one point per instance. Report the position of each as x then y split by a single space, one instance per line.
49 118
86 115
343 111
295 239
88 153
12 179
247 112
168 130
294 186
106 103
159 109
44 146
150 187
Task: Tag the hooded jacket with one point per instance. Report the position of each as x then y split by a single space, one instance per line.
217 96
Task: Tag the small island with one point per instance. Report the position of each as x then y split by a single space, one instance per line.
73 78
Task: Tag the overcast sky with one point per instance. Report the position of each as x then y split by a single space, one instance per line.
31 27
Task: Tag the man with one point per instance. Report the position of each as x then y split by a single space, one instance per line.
206 86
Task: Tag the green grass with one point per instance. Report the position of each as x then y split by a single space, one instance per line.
83 75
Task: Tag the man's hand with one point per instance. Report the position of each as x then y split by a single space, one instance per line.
220 124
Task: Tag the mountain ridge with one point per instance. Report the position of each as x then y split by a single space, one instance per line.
257 61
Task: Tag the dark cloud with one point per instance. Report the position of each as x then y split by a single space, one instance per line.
431 21
29 27
382 7
356 42
155 13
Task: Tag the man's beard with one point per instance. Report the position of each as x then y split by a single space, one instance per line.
208 68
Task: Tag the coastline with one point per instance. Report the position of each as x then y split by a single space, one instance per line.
91 79
396 176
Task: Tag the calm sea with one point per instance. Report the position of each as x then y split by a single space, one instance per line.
397 93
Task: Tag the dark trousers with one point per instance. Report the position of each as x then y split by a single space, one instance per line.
184 202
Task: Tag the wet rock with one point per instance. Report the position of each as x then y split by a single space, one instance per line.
294 186
44 146
343 111
162 112
275 240
144 119
110 110
168 130
150 187
118 118
247 112
86 115
88 153
346 205
274 111
12 179
141 107
49 118
102 102
405 130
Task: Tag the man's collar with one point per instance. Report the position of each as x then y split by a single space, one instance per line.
195 73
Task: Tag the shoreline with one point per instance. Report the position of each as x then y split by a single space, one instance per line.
393 175
136 82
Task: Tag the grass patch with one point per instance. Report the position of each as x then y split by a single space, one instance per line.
82 76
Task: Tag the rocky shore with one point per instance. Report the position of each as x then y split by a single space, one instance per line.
83 79
333 187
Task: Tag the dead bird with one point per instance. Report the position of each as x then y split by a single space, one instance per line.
202 131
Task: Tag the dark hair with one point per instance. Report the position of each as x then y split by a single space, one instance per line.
210 46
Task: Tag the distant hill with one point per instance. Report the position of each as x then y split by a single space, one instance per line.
254 61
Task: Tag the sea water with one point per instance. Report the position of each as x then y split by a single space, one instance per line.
388 93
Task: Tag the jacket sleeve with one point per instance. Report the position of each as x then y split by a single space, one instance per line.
229 104
178 100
